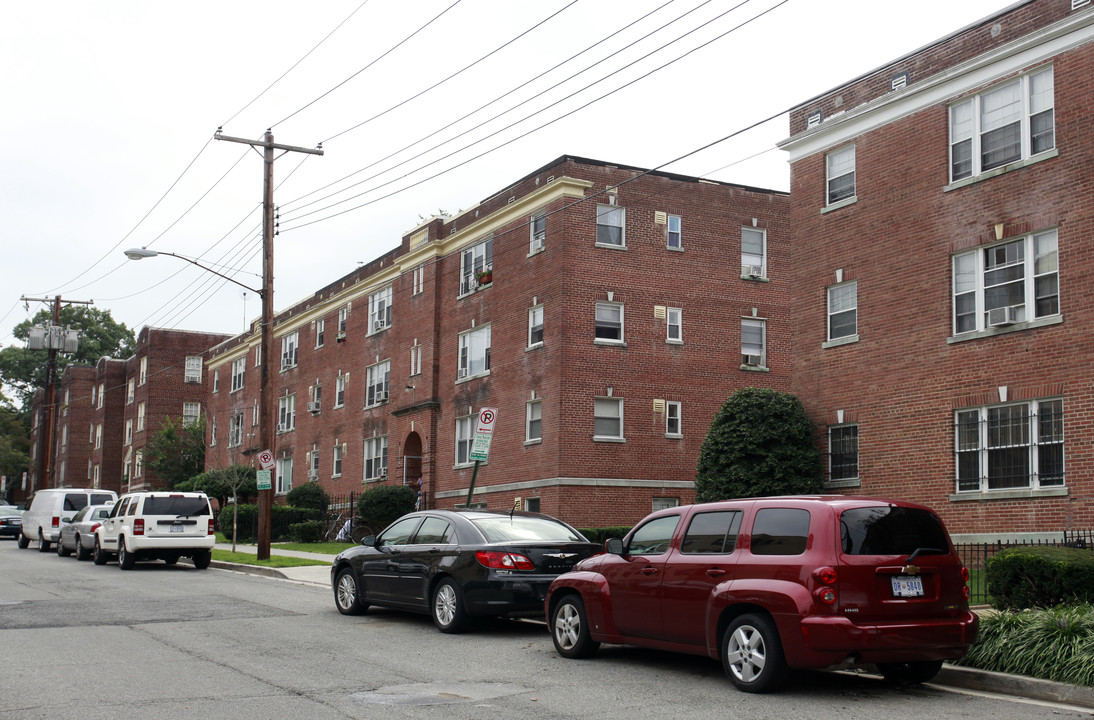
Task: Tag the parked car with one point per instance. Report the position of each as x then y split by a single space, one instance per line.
11 521
52 506
768 584
78 535
157 526
458 564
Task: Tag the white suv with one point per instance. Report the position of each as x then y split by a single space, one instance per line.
157 525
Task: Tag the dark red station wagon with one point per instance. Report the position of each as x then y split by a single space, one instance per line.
768 584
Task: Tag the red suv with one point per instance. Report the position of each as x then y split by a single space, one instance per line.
768 584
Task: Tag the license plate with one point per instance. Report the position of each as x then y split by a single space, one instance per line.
907 586
180 528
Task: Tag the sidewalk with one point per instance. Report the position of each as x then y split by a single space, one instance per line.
951 676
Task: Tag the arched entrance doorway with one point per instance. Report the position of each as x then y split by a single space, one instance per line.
412 462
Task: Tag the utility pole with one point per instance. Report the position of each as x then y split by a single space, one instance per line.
265 399
45 451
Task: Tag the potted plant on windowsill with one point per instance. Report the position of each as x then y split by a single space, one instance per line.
485 277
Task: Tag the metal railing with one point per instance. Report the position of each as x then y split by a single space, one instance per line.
975 556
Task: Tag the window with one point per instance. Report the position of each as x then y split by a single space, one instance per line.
216 381
254 413
289 350
313 463
609 322
144 370
102 398
463 440
235 429
343 316
673 419
1006 283
375 458
337 458
843 452
475 259
474 352
286 413
258 355
193 369
238 368
1019 445
841 174
191 411
376 383
663 503
340 391
379 310
94 394
780 531
654 537
712 533
132 392
213 431
674 324
418 280
533 431
843 310
284 475
316 397
1008 123
535 326
538 232
320 332
753 252
140 417
608 419
128 432
610 221
753 342
675 236
416 358
138 464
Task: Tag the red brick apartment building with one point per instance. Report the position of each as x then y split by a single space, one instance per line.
942 257
620 309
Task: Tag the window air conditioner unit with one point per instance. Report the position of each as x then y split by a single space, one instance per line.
313 407
752 360
1003 316
752 271
340 337
463 372
381 397
313 475
379 325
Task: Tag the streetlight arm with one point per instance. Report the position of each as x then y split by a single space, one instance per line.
141 253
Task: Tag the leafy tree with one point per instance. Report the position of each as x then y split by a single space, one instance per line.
308 495
237 481
24 370
760 443
176 452
14 445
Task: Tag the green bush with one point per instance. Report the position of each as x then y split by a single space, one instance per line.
1055 644
309 531
1040 576
282 517
308 495
384 504
599 535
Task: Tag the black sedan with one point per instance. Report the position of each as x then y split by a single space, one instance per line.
458 564
11 521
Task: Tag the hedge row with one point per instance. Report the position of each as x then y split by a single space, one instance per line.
1040 577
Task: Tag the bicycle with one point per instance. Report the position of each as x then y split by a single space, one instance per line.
357 530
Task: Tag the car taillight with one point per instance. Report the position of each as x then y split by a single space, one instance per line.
965 574
503 560
211 530
56 521
825 575
138 526
96 526
825 596
965 577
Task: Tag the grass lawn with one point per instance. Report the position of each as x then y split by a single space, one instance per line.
275 561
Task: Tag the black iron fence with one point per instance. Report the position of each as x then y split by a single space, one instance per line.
975 556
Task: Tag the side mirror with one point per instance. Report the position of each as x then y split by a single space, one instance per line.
66 519
369 541
613 546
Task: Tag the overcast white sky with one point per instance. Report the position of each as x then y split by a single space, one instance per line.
108 110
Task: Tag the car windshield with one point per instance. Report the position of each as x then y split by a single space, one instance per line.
521 527
885 530
176 505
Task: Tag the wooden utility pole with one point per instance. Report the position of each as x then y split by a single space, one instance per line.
266 422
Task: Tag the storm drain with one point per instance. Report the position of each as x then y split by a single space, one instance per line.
438 693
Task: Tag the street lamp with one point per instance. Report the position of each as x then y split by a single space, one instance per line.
265 397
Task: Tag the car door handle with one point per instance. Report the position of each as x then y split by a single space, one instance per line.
716 572
648 570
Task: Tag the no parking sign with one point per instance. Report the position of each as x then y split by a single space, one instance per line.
484 433
265 460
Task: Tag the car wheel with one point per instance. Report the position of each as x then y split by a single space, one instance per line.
22 541
43 546
126 559
82 553
62 551
346 597
570 629
752 654
97 555
907 673
202 558
448 612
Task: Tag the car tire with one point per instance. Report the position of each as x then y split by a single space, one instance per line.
570 628
202 558
43 545
62 551
347 598
126 559
22 541
447 608
752 654
910 673
82 553
98 556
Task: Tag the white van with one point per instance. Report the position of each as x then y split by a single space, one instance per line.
52 506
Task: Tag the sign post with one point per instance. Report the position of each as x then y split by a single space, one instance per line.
480 445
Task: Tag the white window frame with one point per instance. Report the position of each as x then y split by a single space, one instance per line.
290 350
1036 255
674 419
320 332
239 368
284 476
474 353
340 391
463 434
839 165
143 370
1032 99
749 347
603 414
840 303
379 311
286 413
604 324
674 325
537 232
336 460
377 383
191 411
415 358
102 392
235 429
375 458
535 326
475 259
313 462
533 421
343 318
751 260
131 391
128 432
989 435
98 436
674 232
216 380
140 417
138 463
418 280
610 218
212 431
192 372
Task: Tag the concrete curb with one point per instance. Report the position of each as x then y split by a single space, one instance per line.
1018 685
317 575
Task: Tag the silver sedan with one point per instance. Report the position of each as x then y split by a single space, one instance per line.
79 533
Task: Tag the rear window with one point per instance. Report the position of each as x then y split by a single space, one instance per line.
178 506
780 531
885 530
505 529
101 499
75 501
